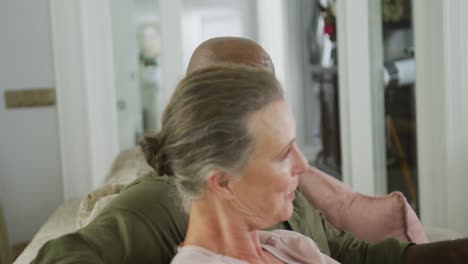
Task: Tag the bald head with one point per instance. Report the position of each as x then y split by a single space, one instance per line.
229 50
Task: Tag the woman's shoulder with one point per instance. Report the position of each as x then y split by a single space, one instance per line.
199 255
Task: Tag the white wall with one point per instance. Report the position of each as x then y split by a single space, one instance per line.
282 32
396 42
295 83
172 69
204 19
30 181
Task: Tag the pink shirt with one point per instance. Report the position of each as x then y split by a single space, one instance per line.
288 246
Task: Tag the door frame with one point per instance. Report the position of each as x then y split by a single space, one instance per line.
361 95
86 100
441 45
86 97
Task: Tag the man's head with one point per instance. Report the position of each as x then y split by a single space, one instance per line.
235 50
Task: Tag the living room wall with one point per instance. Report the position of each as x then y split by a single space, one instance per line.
30 180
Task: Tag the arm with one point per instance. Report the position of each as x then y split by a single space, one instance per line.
453 251
144 224
67 249
340 245
346 248
117 236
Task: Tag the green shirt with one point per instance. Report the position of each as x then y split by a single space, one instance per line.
145 224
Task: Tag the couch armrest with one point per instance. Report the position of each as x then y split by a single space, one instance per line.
61 222
435 234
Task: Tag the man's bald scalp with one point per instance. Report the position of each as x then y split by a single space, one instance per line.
229 50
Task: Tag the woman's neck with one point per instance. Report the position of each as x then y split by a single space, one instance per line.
220 229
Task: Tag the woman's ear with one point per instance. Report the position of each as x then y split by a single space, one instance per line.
219 184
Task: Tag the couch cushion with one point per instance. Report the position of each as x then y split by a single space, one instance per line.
94 202
372 218
61 222
129 165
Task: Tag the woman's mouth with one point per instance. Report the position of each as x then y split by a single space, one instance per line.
291 196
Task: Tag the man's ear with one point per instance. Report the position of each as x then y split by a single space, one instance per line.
219 184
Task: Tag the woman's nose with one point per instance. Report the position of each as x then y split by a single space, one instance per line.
300 162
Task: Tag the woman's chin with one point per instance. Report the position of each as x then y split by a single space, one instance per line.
283 216
280 215
287 213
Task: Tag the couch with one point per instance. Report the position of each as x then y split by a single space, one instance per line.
72 214
337 201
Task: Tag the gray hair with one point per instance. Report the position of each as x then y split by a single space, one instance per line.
205 125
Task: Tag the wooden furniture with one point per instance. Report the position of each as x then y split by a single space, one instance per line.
5 254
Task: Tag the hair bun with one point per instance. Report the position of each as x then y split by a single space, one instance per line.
154 155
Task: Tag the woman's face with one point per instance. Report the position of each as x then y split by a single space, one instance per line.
264 192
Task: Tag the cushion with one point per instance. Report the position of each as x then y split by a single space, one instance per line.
371 218
93 203
129 165
435 234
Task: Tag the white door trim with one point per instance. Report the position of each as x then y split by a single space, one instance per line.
456 88
86 105
361 103
441 45
280 34
430 110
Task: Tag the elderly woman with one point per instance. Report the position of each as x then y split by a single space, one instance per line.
228 138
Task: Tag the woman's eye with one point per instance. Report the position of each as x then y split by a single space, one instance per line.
286 154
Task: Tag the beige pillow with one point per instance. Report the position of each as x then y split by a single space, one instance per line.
93 203
123 176
129 165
